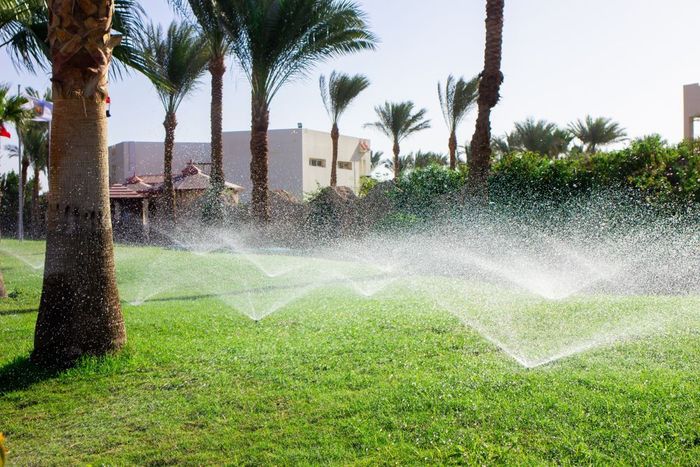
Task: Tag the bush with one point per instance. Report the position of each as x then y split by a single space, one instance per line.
421 191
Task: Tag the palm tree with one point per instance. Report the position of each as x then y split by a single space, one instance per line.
79 312
35 137
539 136
10 112
375 158
24 26
278 40
398 121
597 132
458 98
489 95
178 57
38 150
219 44
337 94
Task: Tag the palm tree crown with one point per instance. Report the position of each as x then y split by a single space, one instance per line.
278 40
399 121
457 99
24 26
178 58
339 91
596 132
11 110
207 16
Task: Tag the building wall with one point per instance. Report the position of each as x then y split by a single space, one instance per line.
318 145
142 158
285 149
691 109
289 163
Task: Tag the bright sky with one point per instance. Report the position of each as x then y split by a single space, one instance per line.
563 59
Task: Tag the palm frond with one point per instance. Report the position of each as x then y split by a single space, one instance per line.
276 41
177 57
339 91
398 120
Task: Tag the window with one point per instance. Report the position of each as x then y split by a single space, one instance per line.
345 165
317 162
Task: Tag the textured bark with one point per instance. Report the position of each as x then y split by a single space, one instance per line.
453 150
170 124
36 187
217 68
489 95
397 168
259 162
79 313
335 135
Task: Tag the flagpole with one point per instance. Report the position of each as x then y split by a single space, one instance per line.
20 217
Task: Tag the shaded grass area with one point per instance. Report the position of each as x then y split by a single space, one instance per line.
333 378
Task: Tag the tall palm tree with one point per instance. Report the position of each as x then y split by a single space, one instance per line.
35 137
489 95
457 99
79 312
595 132
10 112
39 156
337 93
24 26
398 121
178 58
278 40
219 44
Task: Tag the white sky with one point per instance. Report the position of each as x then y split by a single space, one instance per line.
563 59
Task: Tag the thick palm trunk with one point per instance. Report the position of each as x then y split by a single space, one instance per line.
397 168
79 313
335 136
259 162
489 95
36 187
170 124
453 150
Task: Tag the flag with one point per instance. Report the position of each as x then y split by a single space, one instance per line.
43 110
3 132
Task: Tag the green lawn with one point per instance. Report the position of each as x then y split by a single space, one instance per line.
338 375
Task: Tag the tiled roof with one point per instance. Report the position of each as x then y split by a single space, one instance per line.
142 186
119 191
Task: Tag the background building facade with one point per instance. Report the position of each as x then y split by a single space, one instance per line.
299 160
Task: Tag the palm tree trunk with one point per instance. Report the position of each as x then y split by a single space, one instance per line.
79 313
170 124
25 169
397 169
259 162
36 187
489 95
217 68
335 136
453 150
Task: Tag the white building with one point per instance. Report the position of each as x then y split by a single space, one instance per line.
691 109
299 159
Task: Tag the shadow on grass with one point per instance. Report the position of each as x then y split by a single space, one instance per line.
17 311
21 374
